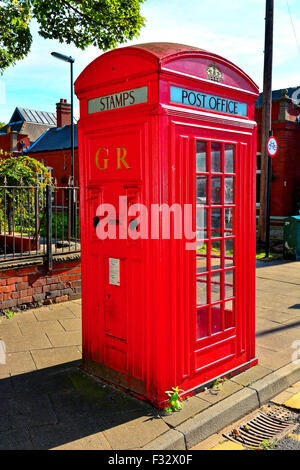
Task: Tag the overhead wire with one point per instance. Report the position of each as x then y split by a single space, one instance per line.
293 26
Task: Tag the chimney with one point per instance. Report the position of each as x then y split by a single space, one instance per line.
63 113
14 141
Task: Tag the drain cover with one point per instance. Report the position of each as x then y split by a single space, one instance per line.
267 424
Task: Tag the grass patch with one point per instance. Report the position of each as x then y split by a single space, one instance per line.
263 255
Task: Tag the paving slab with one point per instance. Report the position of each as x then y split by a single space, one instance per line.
271 359
94 441
209 442
52 313
18 363
214 395
191 407
135 433
28 316
15 440
65 338
71 324
277 340
30 341
63 435
6 389
49 326
251 375
51 357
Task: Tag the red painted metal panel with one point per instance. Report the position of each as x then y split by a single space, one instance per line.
140 327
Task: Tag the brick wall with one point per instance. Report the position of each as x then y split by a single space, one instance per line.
60 161
33 286
285 166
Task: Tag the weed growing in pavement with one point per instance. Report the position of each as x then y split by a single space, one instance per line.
175 402
268 445
218 383
9 314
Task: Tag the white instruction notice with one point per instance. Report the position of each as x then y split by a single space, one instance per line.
114 271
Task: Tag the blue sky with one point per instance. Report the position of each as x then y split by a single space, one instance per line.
233 29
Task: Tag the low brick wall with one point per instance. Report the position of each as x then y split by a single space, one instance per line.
28 283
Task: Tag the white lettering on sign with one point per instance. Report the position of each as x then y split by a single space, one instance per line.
114 271
118 100
198 99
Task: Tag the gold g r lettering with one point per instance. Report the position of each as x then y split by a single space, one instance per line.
105 160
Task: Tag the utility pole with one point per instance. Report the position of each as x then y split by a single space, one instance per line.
266 126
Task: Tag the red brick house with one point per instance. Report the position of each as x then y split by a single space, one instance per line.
53 148
285 195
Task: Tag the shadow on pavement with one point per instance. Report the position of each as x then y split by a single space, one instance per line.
265 264
278 328
50 407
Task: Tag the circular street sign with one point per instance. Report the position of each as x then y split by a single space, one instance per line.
272 146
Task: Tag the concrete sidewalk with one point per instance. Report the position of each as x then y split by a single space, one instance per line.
46 402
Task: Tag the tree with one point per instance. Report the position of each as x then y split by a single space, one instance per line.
101 23
15 169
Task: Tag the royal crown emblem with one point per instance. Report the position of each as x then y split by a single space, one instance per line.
214 74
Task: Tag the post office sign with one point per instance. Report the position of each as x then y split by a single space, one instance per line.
197 99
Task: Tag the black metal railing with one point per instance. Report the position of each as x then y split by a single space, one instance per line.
38 220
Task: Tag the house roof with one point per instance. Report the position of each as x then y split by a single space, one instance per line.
31 115
56 138
31 122
277 94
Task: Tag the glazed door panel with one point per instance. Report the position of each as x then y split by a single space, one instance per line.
215 237
221 191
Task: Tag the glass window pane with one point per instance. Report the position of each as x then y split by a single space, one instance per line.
229 190
201 227
228 221
216 223
202 259
215 256
202 323
229 246
201 190
229 158
215 157
201 157
202 290
229 278
216 287
215 190
216 319
228 314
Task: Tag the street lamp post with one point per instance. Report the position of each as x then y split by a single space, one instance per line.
71 61
72 200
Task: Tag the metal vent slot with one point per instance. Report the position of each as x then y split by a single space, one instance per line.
268 423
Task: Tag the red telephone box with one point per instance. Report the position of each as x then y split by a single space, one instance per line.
169 131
